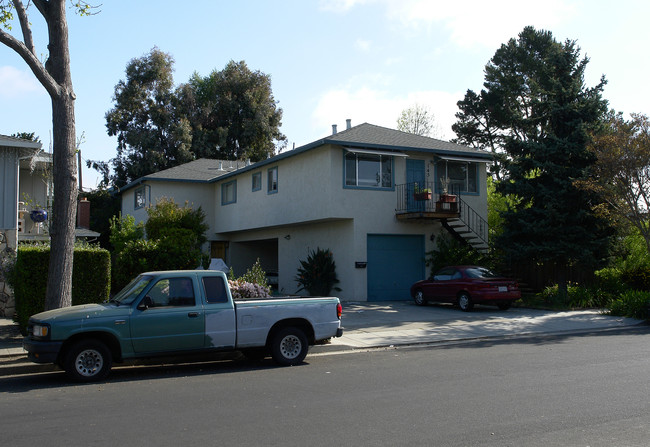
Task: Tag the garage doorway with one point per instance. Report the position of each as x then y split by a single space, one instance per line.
395 262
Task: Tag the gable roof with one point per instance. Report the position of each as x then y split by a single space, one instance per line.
364 135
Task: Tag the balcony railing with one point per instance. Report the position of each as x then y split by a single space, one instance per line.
422 198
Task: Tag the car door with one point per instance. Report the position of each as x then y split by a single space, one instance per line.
220 320
442 284
168 318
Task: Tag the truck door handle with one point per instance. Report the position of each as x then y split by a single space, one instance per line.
193 314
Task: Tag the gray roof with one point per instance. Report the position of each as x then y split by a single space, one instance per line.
362 136
201 170
8 141
371 136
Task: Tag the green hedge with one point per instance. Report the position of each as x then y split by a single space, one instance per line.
90 278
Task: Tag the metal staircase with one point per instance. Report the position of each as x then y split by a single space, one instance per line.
469 227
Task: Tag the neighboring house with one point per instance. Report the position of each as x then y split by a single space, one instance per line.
376 197
25 186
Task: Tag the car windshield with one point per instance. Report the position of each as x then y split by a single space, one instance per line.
480 272
132 290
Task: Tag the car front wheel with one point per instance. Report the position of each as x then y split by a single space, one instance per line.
419 298
88 361
465 302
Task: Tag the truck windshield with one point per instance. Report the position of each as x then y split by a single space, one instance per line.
132 290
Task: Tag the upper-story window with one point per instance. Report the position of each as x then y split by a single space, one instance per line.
139 198
367 170
460 176
229 192
257 181
273 180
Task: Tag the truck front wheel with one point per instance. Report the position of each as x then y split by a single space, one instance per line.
289 346
88 361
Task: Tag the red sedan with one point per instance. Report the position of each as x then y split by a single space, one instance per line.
466 285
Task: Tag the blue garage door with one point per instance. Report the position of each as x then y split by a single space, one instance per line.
394 263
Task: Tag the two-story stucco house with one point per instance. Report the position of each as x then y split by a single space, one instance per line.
376 197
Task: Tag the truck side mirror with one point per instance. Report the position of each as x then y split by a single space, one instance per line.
146 303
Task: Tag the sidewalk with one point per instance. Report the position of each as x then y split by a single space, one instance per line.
369 325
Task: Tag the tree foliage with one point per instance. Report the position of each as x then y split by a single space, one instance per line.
54 75
233 114
536 108
418 120
622 172
150 134
230 114
174 237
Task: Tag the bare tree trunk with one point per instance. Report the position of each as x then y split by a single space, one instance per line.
62 226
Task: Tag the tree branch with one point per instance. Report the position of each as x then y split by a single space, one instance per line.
52 87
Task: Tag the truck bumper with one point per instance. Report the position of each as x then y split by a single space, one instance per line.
339 332
42 351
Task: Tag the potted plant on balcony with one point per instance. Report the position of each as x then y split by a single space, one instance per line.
445 197
421 193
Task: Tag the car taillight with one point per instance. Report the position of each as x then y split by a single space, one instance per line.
339 310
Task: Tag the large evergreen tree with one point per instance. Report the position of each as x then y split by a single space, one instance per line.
538 111
233 114
151 136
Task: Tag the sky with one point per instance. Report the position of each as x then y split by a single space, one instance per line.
329 60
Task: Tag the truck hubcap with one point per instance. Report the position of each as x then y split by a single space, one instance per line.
290 347
89 362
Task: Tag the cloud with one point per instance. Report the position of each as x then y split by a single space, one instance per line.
363 45
14 82
468 22
378 106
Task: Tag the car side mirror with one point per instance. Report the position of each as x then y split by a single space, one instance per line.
146 303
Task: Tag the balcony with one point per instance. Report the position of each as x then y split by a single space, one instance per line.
419 201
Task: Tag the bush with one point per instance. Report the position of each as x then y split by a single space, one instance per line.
633 304
578 297
90 278
317 275
453 252
251 284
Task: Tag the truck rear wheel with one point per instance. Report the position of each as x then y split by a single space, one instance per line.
289 346
88 361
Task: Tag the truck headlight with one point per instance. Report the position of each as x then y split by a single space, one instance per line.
41 331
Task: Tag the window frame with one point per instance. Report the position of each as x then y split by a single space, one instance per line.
382 159
224 192
258 176
442 168
140 192
269 178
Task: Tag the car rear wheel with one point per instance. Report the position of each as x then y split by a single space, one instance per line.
88 361
419 298
504 305
289 346
465 302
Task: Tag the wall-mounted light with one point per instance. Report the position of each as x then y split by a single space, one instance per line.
288 237
433 237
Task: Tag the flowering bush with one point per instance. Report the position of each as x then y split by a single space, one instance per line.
242 289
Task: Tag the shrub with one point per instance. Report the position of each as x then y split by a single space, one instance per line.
243 289
317 275
251 284
453 252
90 278
578 297
633 304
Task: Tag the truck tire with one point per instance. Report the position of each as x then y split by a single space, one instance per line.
88 361
289 346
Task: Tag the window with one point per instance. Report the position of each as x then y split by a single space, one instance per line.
462 176
257 181
215 290
139 199
368 170
229 192
172 292
273 180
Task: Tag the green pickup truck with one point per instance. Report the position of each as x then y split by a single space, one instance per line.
173 313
